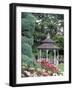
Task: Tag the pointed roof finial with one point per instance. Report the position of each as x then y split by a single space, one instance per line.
48 36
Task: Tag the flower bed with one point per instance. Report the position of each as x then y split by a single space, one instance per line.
49 66
45 69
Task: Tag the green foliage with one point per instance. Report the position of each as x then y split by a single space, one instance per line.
27 40
59 40
52 22
50 55
28 23
26 60
61 67
38 36
28 27
24 15
52 29
28 34
27 50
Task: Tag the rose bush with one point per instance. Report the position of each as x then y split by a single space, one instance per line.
52 67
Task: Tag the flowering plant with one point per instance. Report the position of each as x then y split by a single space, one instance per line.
52 67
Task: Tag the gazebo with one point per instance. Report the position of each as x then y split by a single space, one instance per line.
48 45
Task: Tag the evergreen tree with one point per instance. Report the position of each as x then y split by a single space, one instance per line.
28 27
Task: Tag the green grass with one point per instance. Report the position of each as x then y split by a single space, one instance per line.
61 67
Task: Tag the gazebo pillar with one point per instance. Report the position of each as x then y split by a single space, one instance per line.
47 54
40 54
58 54
55 61
57 57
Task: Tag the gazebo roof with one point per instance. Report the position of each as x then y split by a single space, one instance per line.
48 40
48 44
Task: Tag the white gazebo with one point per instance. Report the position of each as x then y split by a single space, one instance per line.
48 45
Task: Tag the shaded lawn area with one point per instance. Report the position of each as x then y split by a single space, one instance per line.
61 67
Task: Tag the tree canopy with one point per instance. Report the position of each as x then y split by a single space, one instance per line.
48 23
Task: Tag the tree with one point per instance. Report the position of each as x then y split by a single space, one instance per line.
46 23
29 62
26 60
60 43
28 27
27 50
27 40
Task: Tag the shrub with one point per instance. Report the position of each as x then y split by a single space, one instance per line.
27 40
28 34
24 15
27 50
30 62
26 60
28 23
